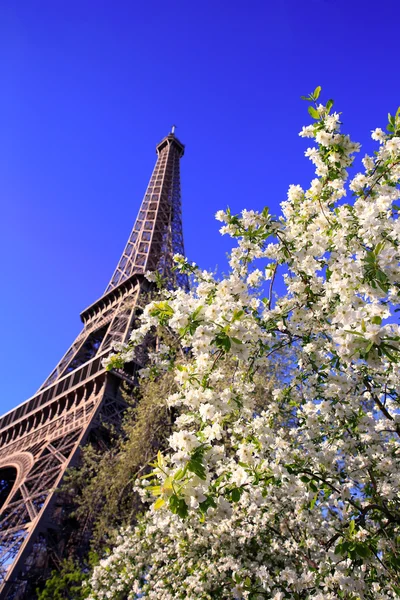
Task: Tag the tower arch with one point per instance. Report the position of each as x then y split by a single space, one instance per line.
8 476
13 471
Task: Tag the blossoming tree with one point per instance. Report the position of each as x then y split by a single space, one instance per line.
299 500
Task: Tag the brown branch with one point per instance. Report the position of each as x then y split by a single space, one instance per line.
271 286
379 178
381 406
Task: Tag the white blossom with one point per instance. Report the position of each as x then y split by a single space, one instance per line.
299 499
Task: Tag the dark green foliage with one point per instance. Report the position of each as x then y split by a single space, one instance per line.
67 583
102 485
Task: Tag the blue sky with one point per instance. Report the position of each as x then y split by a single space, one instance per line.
88 90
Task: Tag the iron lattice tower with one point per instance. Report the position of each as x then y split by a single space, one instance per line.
41 438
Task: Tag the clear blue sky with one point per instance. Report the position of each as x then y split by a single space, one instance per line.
88 88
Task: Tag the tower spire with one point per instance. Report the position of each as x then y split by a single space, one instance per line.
41 438
157 233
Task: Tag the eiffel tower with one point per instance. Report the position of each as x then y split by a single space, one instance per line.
41 438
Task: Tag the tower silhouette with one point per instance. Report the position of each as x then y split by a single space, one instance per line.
41 438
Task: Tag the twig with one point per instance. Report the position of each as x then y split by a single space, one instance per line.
271 285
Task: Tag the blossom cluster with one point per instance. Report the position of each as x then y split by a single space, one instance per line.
299 499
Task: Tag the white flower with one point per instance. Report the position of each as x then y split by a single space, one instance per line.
220 215
393 145
151 276
254 278
378 135
307 131
207 411
324 138
295 193
183 440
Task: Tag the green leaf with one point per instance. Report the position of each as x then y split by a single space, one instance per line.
291 469
362 550
386 352
237 315
339 548
369 347
329 105
376 320
204 506
372 272
265 211
155 490
178 506
222 341
147 476
160 459
195 464
197 312
313 112
159 503
317 92
235 494
197 468
180 474
163 311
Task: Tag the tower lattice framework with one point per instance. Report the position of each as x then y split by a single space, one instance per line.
41 438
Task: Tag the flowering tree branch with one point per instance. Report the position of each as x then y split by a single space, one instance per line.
299 499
